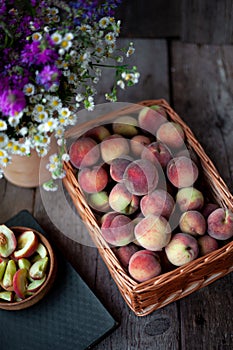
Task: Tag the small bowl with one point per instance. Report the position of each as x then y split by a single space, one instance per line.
51 274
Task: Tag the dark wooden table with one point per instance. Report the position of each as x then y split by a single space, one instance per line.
197 82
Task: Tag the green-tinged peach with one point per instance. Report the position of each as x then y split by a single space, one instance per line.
84 152
117 229
10 270
41 250
93 179
126 126
99 201
3 264
124 253
171 134
182 172
220 224
153 232
98 133
151 118
7 296
158 202
157 152
24 263
20 283
8 241
114 146
207 245
27 244
138 143
117 168
141 177
123 201
189 198
34 286
182 249
144 265
193 222
38 269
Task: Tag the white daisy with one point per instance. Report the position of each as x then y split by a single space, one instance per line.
3 125
56 38
29 89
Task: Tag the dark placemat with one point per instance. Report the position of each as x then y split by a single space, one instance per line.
69 317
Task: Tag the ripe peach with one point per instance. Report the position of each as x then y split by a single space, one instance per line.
158 202
182 249
123 201
157 152
8 241
126 126
117 229
84 152
189 198
93 180
153 232
150 119
144 265
141 177
27 244
171 134
220 224
138 143
117 168
99 201
98 133
124 253
207 245
182 172
193 222
113 147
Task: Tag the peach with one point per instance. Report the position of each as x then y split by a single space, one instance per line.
126 126
171 134
99 201
189 198
113 147
98 133
207 245
208 209
138 143
3 264
144 265
220 224
10 270
141 177
158 202
117 168
193 222
84 152
8 241
38 269
123 201
182 249
153 232
157 152
117 229
150 119
182 172
20 283
93 180
27 244
124 253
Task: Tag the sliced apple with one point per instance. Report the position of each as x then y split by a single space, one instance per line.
3 264
8 241
7 281
24 263
8 296
38 269
20 283
27 245
35 285
41 250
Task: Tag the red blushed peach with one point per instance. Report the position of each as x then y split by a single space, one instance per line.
182 172
208 209
207 245
189 198
138 143
27 244
117 229
124 253
182 249
144 265
141 177
153 232
8 241
193 222
150 119
84 152
126 126
93 180
220 224
171 134
158 202
123 201
117 168
98 133
114 146
157 152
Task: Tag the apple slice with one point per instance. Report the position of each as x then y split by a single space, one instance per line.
7 241
3 264
20 283
8 296
41 250
7 281
38 269
35 285
27 245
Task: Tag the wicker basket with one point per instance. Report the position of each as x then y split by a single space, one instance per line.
143 298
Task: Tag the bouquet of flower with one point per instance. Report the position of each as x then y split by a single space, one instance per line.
52 53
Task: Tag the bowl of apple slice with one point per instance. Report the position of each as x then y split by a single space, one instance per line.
27 267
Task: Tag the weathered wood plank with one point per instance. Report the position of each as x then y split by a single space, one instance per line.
202 94
207 21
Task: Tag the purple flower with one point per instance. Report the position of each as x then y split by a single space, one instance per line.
12 102
30 53
48 76
47 56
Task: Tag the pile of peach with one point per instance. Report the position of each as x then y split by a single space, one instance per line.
23 264
148 193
